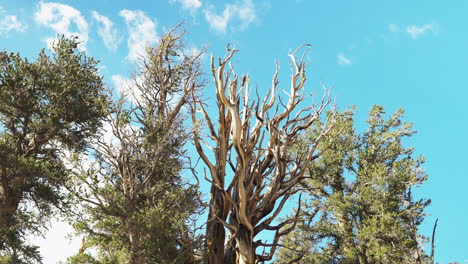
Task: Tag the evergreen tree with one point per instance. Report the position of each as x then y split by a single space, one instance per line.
360 207
137 204
46 107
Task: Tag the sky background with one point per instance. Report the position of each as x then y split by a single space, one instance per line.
400 53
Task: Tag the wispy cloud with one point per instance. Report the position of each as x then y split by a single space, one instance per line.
107 31
418 31
9 23
142 32
60 17
342 60
191 5
218 22
127 87
243 12
394 28
123 85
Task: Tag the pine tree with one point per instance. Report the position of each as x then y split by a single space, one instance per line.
360 207
47 106
137 203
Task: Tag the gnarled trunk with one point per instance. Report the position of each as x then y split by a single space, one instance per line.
255 138
230 256
246 250
215 232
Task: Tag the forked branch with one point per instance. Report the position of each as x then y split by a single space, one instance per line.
258 137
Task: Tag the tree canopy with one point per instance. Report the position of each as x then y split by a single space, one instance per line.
47 107
137 205
360 206
118 165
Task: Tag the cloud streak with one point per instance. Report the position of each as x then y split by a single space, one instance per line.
394 28
11 23
127 87
418 31
108 33
141 31
191 5
342 60
60 18
243 13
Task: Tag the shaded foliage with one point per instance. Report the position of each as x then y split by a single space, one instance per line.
53 104
131 198
360 207
137 203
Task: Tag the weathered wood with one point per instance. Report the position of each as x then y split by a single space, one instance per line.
255 137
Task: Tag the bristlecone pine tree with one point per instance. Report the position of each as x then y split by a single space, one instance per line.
360 208
248 159
137 204
47 106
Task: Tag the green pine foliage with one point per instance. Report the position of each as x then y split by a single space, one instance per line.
47 106
127 191
360 207
136 202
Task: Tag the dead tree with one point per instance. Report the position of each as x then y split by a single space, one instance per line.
254 138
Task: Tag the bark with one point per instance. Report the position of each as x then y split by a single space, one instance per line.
254 137
215 233
230 255
134 237
246 253
9 200
433 241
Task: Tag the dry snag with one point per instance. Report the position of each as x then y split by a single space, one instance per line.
254 138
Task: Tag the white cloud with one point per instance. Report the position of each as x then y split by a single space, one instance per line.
55 246
62 19
342 60
121 83
9 23
418 31
194 51
191 5
243 12
126 87
142 32
107 32
393 28
107 134
218 22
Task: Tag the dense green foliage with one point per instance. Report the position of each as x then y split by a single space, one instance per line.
46 107
137 204
360 207
128 191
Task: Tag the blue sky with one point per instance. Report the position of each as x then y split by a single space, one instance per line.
410 54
